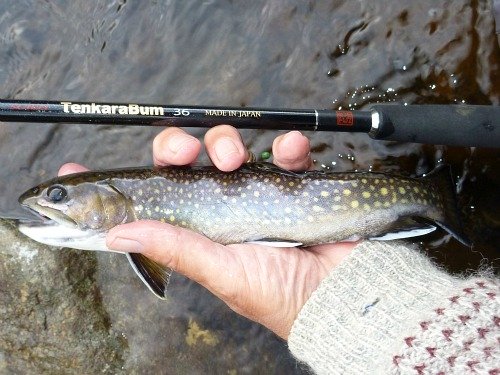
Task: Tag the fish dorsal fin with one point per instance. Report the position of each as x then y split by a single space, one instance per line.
274 242
267 167
405 227
154 275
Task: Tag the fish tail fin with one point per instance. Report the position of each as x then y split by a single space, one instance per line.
154 275
442 180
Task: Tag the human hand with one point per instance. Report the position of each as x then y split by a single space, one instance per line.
268 285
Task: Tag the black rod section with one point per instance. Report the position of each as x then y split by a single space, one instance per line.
184 116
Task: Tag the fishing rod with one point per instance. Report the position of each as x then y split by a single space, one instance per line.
455 125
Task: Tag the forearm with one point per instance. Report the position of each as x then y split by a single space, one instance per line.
387 308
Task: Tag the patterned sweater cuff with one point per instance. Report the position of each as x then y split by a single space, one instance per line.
355 318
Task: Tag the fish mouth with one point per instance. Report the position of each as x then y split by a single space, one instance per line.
47 215
51 227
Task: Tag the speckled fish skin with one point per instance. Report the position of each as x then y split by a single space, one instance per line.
260 201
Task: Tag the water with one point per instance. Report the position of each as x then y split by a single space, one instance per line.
298 54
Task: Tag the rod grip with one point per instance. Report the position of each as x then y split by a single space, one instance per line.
454 125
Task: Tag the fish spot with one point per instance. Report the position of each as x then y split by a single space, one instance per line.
416 189
325 193
287 220
402 190
305 194
337 198
140 192
384 191
291 183
354 204
366 207
364 180
404 200
387 204
277 180
366 194
288 210
157 209
376 181
172 218
346 192
310 218
318 209
377 204
217 191
256 193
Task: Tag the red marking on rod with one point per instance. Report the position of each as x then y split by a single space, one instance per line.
29 107
345 118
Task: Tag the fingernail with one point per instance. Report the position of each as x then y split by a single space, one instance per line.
177 142
292 134
224 148
126 245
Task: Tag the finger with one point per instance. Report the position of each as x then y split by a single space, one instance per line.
191 254
292 151
69 168
173 146
225 148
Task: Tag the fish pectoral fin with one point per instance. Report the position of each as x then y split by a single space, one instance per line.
154 275
404 228
275 242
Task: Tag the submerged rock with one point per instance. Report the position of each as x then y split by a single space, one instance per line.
53 320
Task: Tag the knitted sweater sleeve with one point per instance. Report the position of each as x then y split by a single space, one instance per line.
386 309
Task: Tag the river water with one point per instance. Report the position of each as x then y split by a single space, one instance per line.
274 53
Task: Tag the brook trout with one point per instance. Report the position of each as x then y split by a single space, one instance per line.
257 203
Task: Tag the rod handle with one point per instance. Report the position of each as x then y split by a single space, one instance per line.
454 125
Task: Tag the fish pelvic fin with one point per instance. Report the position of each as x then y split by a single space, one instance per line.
154 275
442 180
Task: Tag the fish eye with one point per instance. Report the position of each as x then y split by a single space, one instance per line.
56 193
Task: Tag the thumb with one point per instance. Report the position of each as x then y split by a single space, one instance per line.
191 254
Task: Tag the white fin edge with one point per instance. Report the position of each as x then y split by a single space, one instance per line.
404 234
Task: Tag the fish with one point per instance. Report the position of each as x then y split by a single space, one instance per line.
257 203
